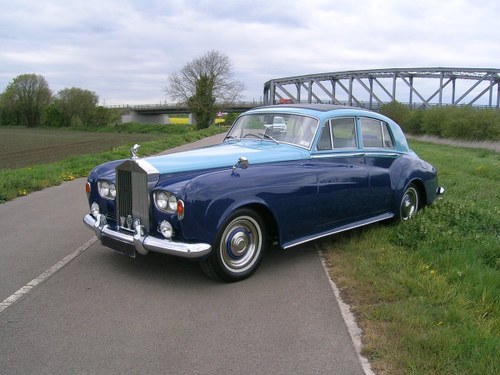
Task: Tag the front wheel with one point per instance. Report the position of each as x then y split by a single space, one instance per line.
409 203
238 247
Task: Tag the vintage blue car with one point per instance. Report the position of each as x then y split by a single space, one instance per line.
287 174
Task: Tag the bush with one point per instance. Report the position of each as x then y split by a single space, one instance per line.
414 125
398 112
432 120
466 123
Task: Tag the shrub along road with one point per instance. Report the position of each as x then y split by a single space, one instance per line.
101 312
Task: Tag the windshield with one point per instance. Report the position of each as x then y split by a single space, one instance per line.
276 127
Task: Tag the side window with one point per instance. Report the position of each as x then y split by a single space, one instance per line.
375 133
325 142
388 143
343 132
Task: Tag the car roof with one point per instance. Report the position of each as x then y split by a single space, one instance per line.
326 111
311 106
320 111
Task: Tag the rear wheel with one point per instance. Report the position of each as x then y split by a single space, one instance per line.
238 247
409 203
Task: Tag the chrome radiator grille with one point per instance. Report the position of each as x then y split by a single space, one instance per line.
132 195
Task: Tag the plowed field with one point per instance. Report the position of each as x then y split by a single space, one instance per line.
22 147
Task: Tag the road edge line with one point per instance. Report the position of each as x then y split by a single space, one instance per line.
352 327
45 275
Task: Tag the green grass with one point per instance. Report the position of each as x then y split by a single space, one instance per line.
38 174
427 292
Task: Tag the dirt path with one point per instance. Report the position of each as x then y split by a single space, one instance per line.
489 145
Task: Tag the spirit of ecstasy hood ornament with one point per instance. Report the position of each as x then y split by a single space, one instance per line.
133 151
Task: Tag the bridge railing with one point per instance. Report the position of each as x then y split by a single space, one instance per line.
167 106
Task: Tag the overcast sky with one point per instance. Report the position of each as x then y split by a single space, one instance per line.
124 50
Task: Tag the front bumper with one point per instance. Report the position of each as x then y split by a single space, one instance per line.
143 243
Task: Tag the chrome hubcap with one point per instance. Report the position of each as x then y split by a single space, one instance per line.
409 204
240 244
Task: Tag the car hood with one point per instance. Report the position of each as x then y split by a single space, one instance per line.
226 155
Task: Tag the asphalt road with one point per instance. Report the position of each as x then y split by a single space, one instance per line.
97 312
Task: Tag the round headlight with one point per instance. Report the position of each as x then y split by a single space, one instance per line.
161 199
106 189
112 191
172 203
165 201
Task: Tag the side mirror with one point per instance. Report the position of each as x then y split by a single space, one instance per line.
242 163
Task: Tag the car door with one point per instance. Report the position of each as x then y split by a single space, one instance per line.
342 176
378 146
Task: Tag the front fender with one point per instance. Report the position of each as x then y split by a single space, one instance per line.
285 191
211 198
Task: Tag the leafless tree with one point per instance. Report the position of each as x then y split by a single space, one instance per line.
213 66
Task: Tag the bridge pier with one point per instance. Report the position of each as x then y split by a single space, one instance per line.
191 119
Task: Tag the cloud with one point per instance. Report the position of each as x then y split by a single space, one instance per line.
125 50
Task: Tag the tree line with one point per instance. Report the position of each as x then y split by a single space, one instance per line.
28 101
205 85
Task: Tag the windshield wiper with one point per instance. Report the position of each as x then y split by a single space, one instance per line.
230 137
264 135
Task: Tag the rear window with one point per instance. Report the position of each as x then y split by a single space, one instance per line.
375 133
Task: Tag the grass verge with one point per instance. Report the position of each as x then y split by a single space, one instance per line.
427 293
21 181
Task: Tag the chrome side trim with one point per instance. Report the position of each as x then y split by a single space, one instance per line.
338 155
364 153
144 243
340 229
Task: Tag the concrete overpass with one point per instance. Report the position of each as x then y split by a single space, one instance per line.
160 113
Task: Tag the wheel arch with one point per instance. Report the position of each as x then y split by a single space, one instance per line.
261 209
422 192
267 217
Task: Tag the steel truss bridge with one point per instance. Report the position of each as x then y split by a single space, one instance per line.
417 87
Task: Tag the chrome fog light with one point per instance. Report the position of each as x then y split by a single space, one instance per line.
94 210
166 229
136 223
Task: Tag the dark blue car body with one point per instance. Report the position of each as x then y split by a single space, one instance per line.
324 170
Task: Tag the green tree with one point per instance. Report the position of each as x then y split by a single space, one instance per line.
77 106
24 100
208 75
52 116
202 103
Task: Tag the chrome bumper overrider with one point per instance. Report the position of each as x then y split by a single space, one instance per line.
144 243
